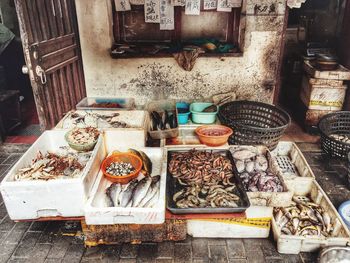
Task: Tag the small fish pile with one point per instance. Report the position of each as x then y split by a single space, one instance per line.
204 180
61 165
137 193
303 218
87 119
83 136
340 137
212 196
163 120
253 169
120 168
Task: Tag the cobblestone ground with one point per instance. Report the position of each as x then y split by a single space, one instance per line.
44 242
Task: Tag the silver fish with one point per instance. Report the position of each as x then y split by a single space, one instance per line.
128 192
113 193
151 195
141 190
243 155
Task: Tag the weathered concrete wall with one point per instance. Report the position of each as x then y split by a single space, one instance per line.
251 76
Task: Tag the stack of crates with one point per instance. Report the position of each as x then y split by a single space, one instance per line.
322 92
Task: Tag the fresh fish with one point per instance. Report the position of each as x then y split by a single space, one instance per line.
327 221
150 194
147 163
141 190
128 192
113 192
240 166
153 200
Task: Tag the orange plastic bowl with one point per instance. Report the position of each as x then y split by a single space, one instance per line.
133 159
213 135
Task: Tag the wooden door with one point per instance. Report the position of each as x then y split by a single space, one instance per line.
50 40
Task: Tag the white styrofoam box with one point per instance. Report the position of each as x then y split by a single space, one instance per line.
125 138
136 119
322 97
295 170
256 225
59 197
96 212
288 244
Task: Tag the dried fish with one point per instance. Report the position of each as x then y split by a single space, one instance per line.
65 163
304 218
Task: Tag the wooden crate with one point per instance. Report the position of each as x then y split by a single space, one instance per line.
322 96
341 73
172 229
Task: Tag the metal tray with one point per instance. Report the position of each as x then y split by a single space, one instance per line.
173 186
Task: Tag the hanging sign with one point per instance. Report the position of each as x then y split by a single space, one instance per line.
193 7
166 15
209 4
122 5
152 11
178 2
223 6
137 2
234 3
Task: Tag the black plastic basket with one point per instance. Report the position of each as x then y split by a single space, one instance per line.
254 123
335 123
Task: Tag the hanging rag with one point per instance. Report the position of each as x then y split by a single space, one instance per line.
187 57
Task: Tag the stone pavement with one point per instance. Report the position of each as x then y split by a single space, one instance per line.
44 241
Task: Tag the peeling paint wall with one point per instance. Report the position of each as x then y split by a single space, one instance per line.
252 76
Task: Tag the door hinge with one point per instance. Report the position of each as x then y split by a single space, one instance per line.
41 74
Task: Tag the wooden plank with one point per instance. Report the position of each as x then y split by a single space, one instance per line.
50 105
81 79
76 81
72 87
44 24
51 18
58 94
58 42
61 65
65 91
66 16
24 23
59 17
57 57
34 17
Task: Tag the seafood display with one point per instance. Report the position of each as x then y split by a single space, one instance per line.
89 119
163 120
62 164
83 136
340 137
254 171
203 179
120 169
106 105
137 193
304 218
142 191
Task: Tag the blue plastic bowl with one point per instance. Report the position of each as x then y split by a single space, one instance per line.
344 212
182 118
